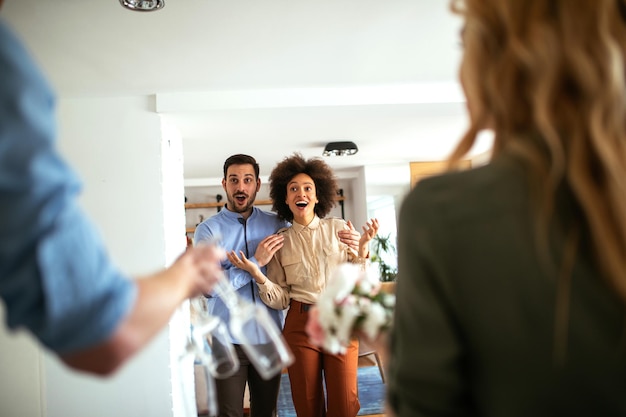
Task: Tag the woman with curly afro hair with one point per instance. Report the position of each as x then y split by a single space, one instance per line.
303 192
318 170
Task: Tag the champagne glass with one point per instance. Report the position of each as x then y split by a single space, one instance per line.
211 394
259 336
252 326
191 407
210 343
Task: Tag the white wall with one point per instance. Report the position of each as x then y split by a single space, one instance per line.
21 393
183 386
115 145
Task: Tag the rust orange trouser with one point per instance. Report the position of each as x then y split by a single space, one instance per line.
305 375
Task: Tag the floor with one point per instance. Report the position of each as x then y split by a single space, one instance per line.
369 361
363 361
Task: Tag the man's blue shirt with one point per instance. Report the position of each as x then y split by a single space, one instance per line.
55 276
235 234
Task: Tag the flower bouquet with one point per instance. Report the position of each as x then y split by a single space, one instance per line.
351 304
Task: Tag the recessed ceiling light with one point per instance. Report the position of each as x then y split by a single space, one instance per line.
143 5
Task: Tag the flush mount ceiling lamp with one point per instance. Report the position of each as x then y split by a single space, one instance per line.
340 149
143 5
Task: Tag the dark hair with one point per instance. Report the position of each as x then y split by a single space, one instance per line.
241 159
322 175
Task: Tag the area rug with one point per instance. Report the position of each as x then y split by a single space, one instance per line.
371 393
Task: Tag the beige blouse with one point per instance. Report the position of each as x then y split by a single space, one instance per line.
301 268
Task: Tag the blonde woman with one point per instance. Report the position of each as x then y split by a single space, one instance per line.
512 276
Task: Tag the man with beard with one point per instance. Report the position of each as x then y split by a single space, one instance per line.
243 227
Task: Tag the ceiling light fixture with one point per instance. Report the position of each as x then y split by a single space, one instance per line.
143 5
340 149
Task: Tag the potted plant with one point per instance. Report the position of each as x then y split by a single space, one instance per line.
382 245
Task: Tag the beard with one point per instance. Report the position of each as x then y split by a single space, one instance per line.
235 206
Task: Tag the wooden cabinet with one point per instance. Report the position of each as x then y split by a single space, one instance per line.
420 170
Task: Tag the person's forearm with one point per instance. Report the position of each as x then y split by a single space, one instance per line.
364 250
274 295
258 276
158 295
157 299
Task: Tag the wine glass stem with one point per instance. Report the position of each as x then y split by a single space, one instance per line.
228 295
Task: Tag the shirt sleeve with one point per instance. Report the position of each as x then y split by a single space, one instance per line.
351 255
202 234
55 276
275 292
427 372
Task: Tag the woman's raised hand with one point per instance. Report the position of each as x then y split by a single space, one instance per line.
369 231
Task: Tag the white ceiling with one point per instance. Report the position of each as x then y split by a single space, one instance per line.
266 77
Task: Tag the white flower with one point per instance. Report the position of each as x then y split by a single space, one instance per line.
352 303
375 319
342 281
343 324
389 300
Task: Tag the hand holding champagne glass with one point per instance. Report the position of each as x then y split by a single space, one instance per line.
258 334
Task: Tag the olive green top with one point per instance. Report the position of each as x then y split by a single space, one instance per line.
474 331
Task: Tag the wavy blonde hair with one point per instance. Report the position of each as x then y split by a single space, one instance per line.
549 78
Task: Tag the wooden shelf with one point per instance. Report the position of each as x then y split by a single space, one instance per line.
222 203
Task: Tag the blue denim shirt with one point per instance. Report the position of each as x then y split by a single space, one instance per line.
55 276
234 235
